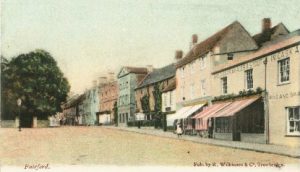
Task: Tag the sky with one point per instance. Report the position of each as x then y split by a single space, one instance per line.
89 38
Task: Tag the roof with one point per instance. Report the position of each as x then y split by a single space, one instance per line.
207 45
266 35
170 87
268 48
158 75
138 70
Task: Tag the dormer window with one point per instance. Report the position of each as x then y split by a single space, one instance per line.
230 56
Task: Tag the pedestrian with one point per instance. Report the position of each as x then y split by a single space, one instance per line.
179 130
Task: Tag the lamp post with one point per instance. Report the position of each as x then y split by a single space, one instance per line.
266 104
19 103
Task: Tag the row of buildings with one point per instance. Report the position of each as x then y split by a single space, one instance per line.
231 86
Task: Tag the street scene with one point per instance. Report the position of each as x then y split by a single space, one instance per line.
146 83
104 146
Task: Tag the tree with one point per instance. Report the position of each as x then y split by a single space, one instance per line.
145 105
157 94
36 78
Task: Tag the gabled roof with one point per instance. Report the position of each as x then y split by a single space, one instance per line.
136 70
207 45
170 87
266 35
158 75
272 46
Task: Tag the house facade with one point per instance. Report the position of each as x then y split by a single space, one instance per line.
161 78
275 68
128 79
108 96
193 72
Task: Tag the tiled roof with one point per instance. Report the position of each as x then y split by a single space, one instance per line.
141 70
270 47
206 45
265 36
170 87
158 75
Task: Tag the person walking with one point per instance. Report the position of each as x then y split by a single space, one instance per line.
179 130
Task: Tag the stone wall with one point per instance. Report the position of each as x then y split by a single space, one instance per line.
8 124
253 138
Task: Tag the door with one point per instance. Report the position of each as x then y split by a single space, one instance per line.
236 128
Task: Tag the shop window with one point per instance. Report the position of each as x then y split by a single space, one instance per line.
223 125
284 70
293 122
249 78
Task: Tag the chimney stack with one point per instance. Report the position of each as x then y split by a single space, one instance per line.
102 80
194 40
178 55
266 24
111 76
94 83
149 68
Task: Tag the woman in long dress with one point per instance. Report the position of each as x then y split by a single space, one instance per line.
179 129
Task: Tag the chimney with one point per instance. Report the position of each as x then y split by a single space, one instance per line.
149 68
194 40
102 80
111 76
266 24
178 55
94 83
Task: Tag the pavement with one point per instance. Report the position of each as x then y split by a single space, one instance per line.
293 152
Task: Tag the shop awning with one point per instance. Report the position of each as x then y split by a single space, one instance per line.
202 117
183 113
235 107
189 112
211 110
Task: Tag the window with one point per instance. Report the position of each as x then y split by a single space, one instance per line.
192 92
224 85
249 78
165 99
202 63
171 98
182 72
223 125
293 122
284 70
202 85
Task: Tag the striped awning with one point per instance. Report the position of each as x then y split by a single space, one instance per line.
235 107
202 117
211 110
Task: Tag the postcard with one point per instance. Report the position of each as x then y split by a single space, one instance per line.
153 85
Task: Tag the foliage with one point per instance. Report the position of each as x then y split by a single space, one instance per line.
242 93
145 104
157 94
116 113
37 80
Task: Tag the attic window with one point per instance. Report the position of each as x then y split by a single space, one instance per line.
230 56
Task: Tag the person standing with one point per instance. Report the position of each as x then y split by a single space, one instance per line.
179 130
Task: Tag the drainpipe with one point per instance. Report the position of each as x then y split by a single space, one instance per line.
266 105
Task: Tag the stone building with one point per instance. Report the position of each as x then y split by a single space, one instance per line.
275 68
108 96
163 77
128 79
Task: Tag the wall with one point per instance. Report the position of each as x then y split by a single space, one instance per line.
223 136
42 123
9 124
280 96
253 138
169 100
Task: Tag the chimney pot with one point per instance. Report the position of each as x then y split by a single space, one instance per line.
149 68
266 24
178 55
194 39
